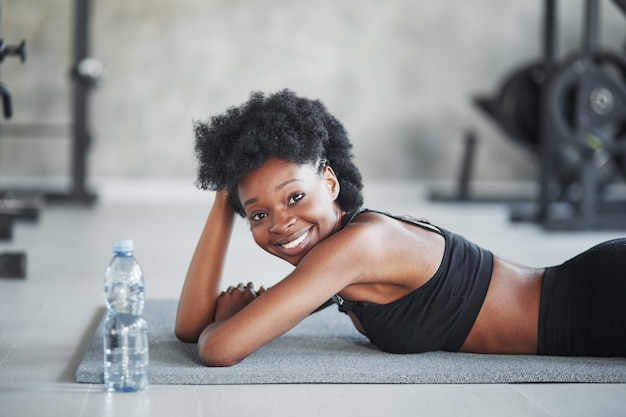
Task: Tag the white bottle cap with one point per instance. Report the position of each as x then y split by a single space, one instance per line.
123 245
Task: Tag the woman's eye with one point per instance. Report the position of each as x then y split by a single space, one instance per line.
257 217
295 198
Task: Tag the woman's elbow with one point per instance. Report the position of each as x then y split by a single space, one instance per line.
185 335
209 355
216 356
217 360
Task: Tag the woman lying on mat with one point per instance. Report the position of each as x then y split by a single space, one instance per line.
285 164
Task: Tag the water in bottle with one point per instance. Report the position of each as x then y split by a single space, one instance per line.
125 352
125 331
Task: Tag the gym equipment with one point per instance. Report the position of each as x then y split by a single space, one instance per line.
516 108
13 208
12 265
25 204
571 115
6 51
85 75
583 148
586 102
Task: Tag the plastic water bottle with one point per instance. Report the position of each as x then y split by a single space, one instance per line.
123 280
125 331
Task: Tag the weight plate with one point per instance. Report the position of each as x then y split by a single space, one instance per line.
586 107
517 105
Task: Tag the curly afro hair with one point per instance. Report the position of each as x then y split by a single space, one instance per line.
283 126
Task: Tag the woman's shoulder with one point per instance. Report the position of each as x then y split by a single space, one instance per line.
365 216
359 236
376 217
365 221
368 233
351 252
387 248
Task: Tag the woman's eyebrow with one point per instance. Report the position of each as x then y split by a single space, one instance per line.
286 183
250 201
278 188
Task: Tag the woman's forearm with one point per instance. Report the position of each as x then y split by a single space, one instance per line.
196 307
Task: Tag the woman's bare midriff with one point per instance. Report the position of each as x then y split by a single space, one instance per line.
508 321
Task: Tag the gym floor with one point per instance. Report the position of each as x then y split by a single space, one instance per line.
47 319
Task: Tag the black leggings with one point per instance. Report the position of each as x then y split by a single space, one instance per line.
583 304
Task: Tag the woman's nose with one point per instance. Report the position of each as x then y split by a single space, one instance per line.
281 222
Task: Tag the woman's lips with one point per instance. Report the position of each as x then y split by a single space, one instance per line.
295 242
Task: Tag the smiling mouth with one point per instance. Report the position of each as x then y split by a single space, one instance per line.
294 243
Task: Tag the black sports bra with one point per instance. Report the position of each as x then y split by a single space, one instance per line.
440 314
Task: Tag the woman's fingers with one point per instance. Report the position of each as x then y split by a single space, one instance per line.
234 299
243 288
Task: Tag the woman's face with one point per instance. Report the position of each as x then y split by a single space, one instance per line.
290 207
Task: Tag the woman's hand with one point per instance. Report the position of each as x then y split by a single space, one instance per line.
234 299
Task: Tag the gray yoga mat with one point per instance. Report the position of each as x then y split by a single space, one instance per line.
325 348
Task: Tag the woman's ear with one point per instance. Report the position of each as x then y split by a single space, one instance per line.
331 182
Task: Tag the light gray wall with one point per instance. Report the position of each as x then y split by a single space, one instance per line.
398 73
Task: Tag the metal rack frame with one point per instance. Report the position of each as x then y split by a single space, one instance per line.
79 131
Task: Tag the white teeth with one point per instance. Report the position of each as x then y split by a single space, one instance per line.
296 242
